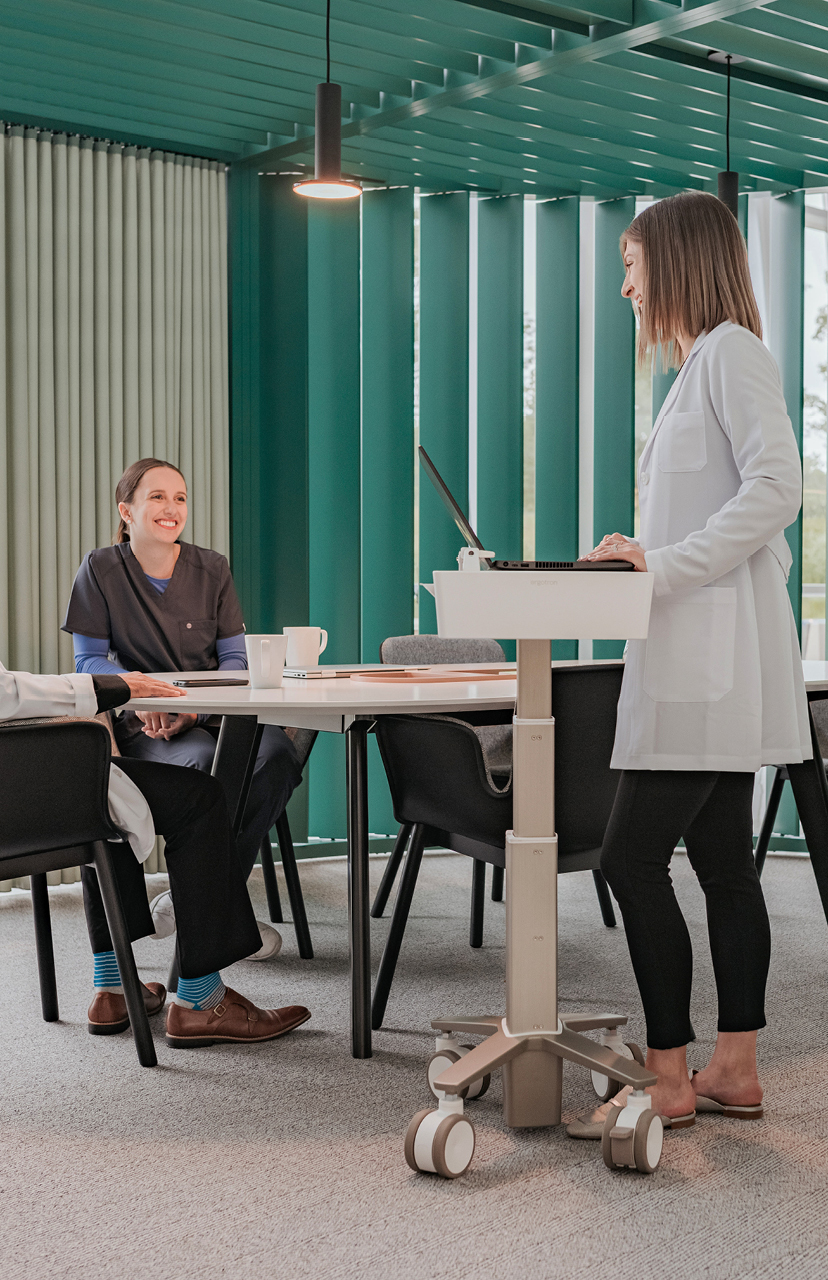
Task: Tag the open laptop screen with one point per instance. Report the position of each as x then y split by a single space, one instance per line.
451 506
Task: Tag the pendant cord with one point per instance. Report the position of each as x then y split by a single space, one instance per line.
328 48
729 60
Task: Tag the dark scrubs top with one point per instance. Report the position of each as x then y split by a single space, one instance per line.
113 599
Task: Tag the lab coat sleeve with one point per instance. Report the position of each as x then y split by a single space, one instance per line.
747 399
23 695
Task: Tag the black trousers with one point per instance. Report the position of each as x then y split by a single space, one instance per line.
712 811
215 921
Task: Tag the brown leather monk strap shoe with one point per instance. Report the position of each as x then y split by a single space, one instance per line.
108 1012
235 1019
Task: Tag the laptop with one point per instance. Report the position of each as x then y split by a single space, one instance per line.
472 539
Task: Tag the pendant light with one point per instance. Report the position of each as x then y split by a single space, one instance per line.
729 180
327 182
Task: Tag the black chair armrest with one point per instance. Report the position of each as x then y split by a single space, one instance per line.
55 778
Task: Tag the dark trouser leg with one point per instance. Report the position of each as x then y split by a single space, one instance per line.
215 921
720 848
275 777
652 810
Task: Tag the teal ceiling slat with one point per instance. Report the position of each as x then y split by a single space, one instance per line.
40 17
348 29
781 27
558 148
256 41
150 103
44 54
628 138
762 49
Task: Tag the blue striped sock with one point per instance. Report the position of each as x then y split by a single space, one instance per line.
107 974
200 993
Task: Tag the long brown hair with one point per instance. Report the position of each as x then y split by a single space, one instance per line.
696 272
128 484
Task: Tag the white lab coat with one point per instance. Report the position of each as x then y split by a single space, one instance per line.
23 696
718 682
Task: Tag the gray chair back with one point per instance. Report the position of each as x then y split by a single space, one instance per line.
418 650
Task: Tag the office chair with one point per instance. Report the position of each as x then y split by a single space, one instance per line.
54 813
430 650
303 740
443 789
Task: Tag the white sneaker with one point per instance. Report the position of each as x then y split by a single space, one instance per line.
271 942
163 917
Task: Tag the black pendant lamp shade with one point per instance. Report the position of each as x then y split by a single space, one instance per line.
327 182
729 180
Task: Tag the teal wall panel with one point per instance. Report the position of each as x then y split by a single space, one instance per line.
444 379
333 472
786 339
387 443
387 417
614 418
556 387
500 375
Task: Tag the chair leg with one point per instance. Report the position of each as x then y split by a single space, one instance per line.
604 899
478 902
274 903
497 884
766 832
123 954
389 875
294 887
174 973
45 949
399 919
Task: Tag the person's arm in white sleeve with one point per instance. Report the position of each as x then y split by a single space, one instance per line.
748 402
24 696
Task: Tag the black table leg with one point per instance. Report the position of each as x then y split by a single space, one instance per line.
359 919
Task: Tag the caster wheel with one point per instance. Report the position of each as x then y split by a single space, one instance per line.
637 1147
604 1087
439 1142
442 1060
436 1065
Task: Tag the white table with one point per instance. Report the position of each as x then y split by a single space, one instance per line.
350 707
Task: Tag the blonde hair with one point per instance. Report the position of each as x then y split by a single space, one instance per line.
695 269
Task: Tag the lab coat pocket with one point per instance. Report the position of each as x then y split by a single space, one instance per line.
691 646
681 443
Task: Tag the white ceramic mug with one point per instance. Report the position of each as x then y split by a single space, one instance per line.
304 645
266 660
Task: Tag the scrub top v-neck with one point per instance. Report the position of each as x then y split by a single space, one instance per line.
113 599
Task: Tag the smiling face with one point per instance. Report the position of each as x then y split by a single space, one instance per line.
157 511
633 286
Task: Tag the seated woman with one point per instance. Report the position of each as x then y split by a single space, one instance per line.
153 603
216 926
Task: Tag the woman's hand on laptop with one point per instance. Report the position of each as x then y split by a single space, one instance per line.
616 547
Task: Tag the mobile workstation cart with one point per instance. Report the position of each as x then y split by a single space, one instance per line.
530 1043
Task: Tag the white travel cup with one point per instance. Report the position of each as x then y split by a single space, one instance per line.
304 645
265 660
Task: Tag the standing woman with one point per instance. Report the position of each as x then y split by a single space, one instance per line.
153 603
716 690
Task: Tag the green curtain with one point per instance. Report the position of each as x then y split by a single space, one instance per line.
113 346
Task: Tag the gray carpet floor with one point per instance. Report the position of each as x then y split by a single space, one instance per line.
286 1159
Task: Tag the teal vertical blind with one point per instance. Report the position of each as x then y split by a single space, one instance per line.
444 378
500 375
387 442
556 387
786 339
387 417
614 415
